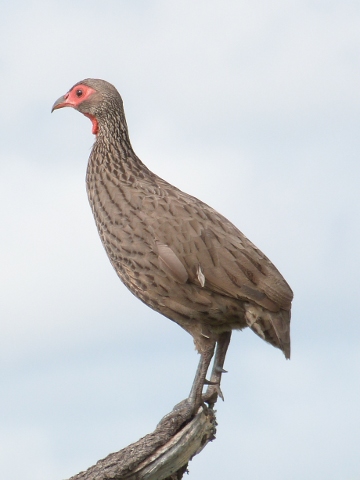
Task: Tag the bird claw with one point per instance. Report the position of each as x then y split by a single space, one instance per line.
220 370
212 393
209 382
219 392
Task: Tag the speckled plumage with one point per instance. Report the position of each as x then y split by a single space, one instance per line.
175 253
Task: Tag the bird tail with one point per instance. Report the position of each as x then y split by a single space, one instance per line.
273 327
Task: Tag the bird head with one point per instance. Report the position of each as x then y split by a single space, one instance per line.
94 98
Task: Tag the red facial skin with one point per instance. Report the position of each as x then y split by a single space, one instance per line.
74 97
95 124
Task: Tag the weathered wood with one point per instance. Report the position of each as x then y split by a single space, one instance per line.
161 455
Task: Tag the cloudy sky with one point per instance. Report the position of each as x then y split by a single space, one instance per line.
252 107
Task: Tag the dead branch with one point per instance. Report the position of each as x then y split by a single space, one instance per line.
161 455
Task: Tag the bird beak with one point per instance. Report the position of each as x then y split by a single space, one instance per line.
61 102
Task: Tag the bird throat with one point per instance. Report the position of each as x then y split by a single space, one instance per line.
95 123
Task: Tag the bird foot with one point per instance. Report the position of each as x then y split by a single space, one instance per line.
209 382
181 413
212 393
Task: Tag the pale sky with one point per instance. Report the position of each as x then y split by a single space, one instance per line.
253 107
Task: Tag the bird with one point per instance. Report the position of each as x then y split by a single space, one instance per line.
174 252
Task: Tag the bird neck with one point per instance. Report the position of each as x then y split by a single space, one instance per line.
112 152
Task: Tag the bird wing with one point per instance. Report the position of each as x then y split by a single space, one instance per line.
198 244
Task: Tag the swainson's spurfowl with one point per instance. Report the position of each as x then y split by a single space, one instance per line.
174 252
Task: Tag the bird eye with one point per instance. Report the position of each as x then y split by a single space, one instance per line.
78 93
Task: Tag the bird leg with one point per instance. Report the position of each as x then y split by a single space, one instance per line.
213 391
195 396
188 407
184 410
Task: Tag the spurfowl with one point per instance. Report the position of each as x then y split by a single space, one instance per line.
174 252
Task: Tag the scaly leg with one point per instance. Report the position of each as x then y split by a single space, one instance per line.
188 407
213 391
195 396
